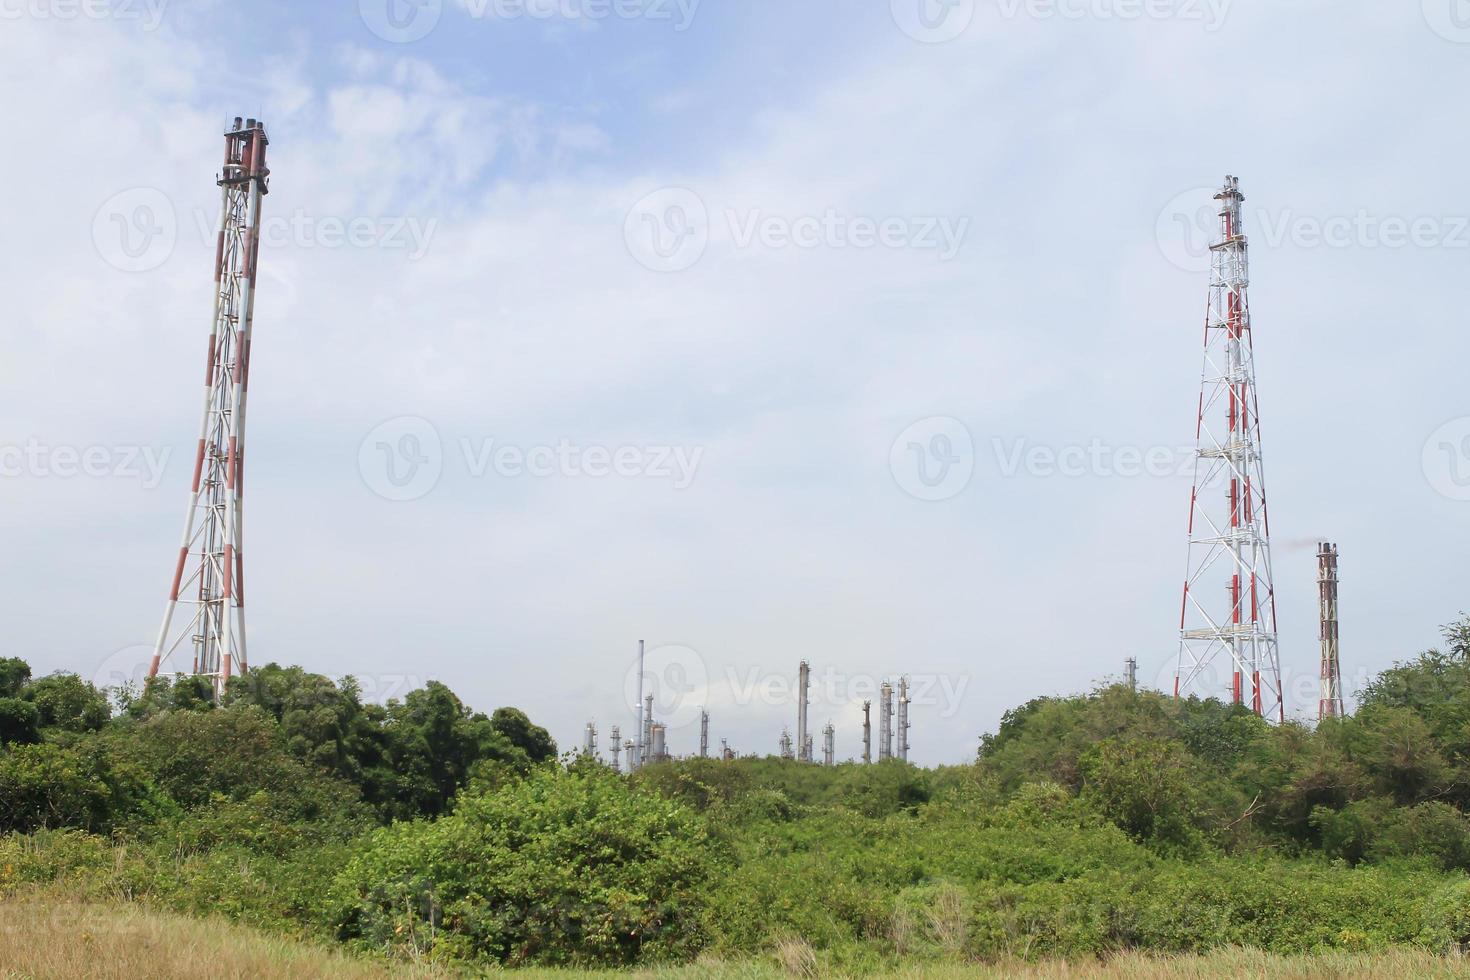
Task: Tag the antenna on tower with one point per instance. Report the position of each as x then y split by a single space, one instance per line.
1329 705
1229 529
209 572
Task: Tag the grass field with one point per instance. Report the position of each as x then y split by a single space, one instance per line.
48 938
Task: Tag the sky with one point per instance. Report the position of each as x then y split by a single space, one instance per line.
860 333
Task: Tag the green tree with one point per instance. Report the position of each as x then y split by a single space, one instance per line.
161 694
324 724
200 758
516 728
14 673
48 785
20 722
67 702
434 743
1146 786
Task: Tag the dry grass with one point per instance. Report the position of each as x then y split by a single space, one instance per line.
46 937
797 958
1401 965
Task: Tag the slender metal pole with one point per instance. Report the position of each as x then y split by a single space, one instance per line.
637 753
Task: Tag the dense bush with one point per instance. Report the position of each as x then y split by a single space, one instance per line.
1110 821
563 867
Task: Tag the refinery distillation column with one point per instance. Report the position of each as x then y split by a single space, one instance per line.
885 722
208 573
1329 705
1228 615
803 694
903 718
867 732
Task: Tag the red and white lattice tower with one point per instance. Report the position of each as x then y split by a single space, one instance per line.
1229 608
208 574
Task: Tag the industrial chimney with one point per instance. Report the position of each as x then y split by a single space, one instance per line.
1330 703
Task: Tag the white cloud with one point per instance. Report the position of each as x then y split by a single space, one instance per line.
527 320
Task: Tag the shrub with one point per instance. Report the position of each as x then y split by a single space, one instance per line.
49 785
567 866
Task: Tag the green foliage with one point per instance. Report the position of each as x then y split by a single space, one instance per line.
14 673
324 724
207 760
20 722
1047 738
49 785
532 740
1446 926
67 702
434 743
162 694
1147 787
566 866
1118 820
1375 830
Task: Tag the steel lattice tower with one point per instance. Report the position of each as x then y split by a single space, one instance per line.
209 572
1329 705
1229 529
